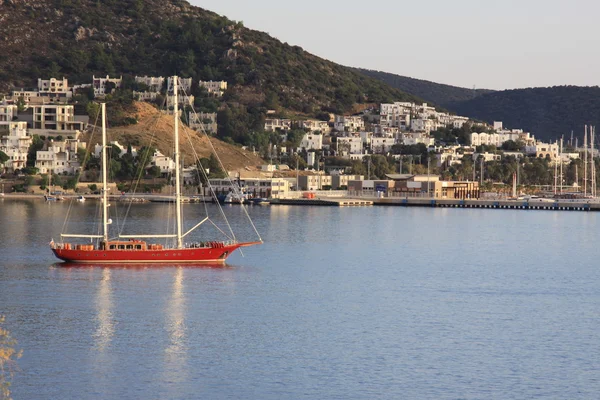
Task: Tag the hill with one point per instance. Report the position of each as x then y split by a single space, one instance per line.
155 129
81 38
546 112
434 93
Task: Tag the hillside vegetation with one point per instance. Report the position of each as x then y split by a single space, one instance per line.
155 129
80 38
434 93
548 113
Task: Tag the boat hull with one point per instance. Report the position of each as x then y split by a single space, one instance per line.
165 256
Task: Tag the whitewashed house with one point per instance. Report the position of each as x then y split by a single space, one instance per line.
15 144
100 84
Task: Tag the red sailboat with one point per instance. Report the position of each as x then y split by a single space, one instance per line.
131 248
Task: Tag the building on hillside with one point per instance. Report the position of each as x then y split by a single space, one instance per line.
154 83
55 90
274 124
26 95
349 145
164 163
8 112
102 84
54 119
15 142
382 145
206 122
487 157
59 157
543 150
214 88
414 138
314 125
347 123
145 96
182 100
114 144
311 141
184 85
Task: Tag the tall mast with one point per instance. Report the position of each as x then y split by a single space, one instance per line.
555 172
592 163
104 184
177 181
585 161
561 164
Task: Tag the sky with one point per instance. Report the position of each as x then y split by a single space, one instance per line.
493 44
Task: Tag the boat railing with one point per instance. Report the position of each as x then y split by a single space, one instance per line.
210 244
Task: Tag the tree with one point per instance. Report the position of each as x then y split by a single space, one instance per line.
8 357
3 158
36 144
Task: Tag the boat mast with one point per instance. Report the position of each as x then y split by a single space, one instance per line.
177 181
592 163
585 161
104 184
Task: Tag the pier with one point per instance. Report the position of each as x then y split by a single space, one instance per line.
500 204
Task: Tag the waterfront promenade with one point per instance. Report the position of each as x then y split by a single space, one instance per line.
340 200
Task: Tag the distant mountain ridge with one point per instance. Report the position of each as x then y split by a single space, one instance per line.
80 38
548 113
432 92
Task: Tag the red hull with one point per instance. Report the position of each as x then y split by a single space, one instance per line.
165 256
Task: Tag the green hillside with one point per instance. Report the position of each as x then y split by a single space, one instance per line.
79 38
546 112
434 93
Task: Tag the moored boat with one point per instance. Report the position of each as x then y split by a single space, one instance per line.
126 249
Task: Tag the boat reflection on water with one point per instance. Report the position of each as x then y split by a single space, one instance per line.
142 265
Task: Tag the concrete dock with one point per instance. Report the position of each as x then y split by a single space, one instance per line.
505 204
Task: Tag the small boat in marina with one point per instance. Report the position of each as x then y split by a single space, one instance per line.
80 199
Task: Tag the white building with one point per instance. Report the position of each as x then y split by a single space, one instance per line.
542 150
27 95
164 163
59 157
273 124
100 84
382 145
115 143
154 83
414 138
145 96
206 122
215 88
183 84
487 157
15 144
350 145
253 187
311 141
182 100
345 123
314 126
56 117
7 112
56 90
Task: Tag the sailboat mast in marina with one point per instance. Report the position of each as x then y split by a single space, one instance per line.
134 248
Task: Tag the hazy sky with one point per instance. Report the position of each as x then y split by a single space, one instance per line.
496 44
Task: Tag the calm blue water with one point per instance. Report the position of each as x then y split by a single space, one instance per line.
339 303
